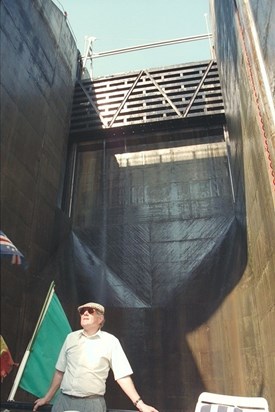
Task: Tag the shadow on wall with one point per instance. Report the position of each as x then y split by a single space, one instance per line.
208 279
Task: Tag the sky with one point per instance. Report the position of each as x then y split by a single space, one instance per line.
123 23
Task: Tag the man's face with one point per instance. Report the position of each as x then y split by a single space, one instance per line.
90 318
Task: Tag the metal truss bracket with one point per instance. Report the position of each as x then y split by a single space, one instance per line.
187 109
181 115
92 103
126 98
163 93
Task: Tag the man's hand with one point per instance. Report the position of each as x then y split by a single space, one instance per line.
143 407
39 402
57 378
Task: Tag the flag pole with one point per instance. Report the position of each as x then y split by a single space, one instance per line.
28 350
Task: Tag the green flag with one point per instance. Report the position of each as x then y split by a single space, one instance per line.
50 336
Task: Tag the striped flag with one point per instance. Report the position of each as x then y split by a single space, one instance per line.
8 249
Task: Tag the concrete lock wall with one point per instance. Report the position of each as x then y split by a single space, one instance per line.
246 321
38 69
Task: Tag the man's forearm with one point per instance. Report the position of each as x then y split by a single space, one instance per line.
56 381
127 385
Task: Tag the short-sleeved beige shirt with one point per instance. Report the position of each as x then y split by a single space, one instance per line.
86 361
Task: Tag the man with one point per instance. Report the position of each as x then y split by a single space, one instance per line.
83 365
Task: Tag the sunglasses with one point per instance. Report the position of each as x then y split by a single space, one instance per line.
87 309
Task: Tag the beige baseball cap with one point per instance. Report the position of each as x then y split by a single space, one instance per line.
94 305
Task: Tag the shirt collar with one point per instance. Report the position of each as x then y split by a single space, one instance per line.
82 333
